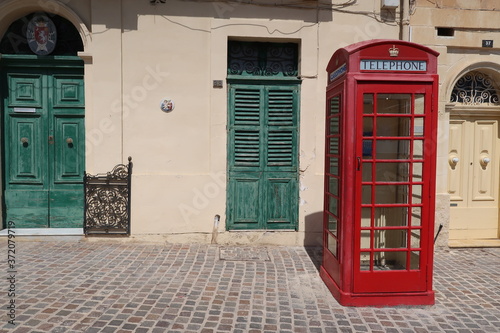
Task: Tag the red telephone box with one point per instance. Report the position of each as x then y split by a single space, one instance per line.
380 166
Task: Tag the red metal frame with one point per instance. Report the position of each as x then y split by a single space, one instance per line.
333 262
384 73
395 280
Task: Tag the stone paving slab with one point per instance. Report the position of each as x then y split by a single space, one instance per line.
130 287
239 253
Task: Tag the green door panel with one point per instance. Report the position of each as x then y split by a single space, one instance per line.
69 147
245 190
281 151
68 93
245 105
27 154
246 149
26 195
66 199
66 208
29 208
262 156
24 90
282 211
44 153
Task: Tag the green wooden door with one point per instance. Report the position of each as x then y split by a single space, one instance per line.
44 146
262 156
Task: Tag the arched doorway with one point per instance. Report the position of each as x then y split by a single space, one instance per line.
43 109
473 159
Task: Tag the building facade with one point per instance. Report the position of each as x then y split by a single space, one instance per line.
221 106
467 37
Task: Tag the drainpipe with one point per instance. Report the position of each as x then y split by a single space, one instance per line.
404 19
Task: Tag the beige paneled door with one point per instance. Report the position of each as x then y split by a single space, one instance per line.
473 175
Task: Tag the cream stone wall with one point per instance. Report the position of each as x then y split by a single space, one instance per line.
175 51
472 21
137 54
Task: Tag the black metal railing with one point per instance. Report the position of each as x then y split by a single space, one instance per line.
107 201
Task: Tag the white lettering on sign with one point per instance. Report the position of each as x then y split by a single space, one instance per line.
338 72
393 65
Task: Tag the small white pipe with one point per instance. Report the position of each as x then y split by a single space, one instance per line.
215 229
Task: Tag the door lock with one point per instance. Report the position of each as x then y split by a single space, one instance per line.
51 139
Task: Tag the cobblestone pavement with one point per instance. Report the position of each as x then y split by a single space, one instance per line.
63 286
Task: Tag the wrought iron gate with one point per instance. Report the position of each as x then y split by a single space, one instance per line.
107 201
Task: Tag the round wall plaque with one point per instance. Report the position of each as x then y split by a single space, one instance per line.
167 105
41 35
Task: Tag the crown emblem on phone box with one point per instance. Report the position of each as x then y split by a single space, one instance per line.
394 51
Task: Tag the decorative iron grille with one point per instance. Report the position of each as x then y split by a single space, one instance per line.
262 59
107 201
475 88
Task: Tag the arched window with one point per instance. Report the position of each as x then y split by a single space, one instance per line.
36 28
475 88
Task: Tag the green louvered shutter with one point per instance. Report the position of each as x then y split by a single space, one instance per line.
263 159
280 176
